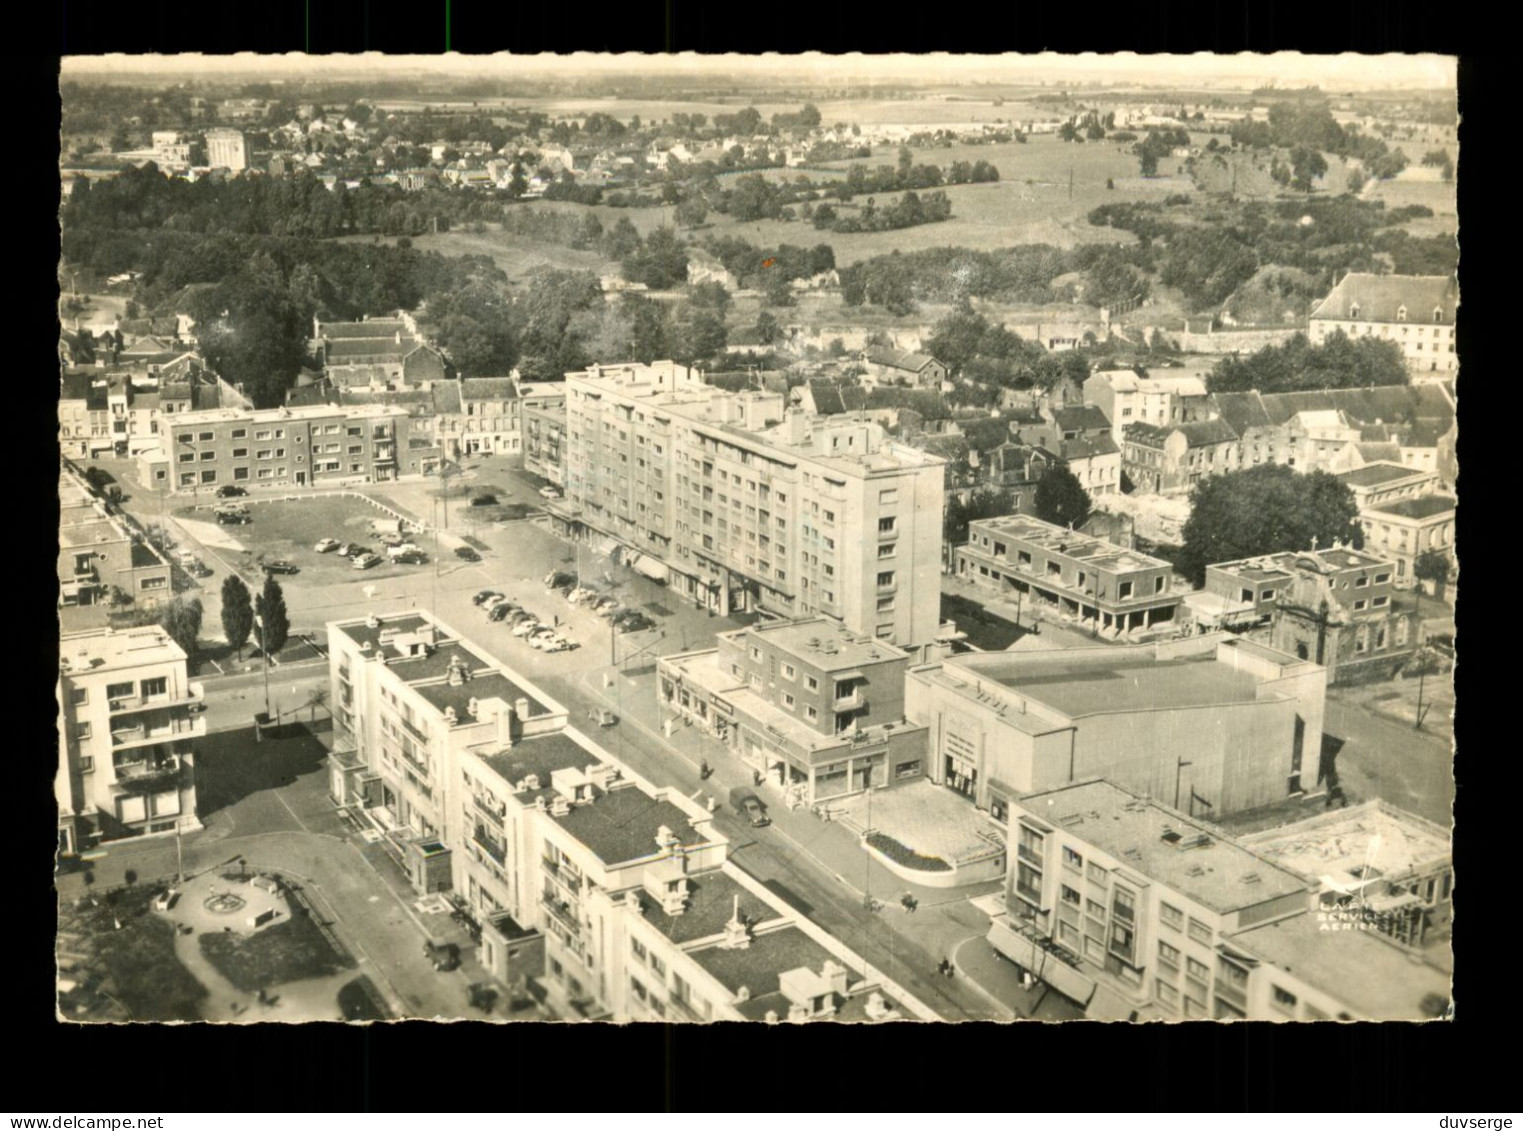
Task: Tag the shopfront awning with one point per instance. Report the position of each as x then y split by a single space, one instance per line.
1385 904
606 546
651 568
1046 967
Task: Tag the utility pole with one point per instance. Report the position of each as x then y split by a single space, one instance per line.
264 654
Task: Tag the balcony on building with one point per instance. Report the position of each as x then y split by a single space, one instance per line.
489 844
145 732
562 910
194 694
150 772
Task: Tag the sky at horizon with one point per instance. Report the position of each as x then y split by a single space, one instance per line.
1331 72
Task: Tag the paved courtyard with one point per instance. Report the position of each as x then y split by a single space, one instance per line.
925 817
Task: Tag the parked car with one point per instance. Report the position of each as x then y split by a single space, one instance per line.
279 566
637 623
366 561
393 551
466 554
541 636
234 518
228 491
198 569
578 595
606 607
482 597
549 493
484 500
603 716
502 611
346 549
518 616
326 545
356 550
494 601
392 540
411 557
559 579
558 644
525 626
745 802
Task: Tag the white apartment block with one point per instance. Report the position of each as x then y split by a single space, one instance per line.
743 505
128 714
612 894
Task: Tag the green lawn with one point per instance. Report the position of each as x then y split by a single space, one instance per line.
289 951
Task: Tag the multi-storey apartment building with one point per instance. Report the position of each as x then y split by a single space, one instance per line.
1406 529
478 416
542 415
128 716
749 507
1158 399
318 445
1415 311
1137 911
1385 481
1218 723
227 149
812 707
1118 591
1338 607
612 894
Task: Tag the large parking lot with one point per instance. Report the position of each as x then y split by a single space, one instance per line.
288 530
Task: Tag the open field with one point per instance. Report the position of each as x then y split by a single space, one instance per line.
1413 187
517 256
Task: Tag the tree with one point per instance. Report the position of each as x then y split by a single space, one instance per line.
986 502
1356 181
776 290
1307 165
182 620
1147 160
237 612
691 212
1061 499
766 328
1433 565
274 623
1268 509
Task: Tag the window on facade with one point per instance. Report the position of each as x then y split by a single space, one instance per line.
1200 932
1171 916
1097 874
1124 590
1168 955
1072 859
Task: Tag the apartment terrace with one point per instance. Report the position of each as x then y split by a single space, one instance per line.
620 825
711 903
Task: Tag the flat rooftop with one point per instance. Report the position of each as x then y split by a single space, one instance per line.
711 904
1358 967
106 650
759 966
481 687
1368 841
275 415
824 643
1092 681
1290 562
541 755
363 633
1060 540
1426 507
1377 474
620 825
94 533
1200 864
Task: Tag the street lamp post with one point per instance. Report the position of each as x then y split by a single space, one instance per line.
264 654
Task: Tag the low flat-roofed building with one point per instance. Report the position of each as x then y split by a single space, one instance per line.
1115 590
100 560
1406 529
1138 911
1393 868
1318 966
1007 724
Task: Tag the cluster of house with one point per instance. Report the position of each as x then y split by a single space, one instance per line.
101 560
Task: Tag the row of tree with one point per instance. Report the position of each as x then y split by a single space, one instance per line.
1297 365
264 617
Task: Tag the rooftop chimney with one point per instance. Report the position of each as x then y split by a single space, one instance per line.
737 932
835 974
450 718
473 707
559 806
372 621
505 727
521 706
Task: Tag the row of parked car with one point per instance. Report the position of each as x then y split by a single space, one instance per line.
601 604
522 623
398 549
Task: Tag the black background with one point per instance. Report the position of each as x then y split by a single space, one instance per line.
1354 1069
